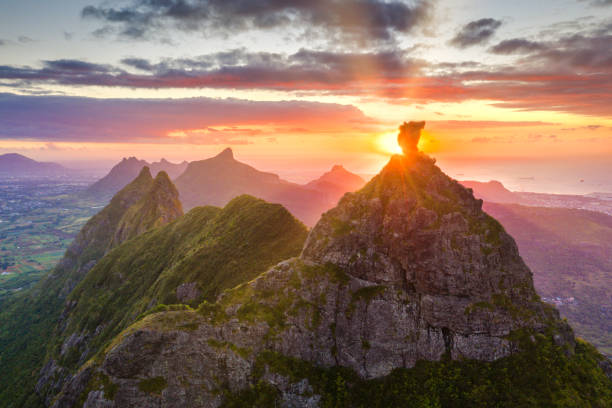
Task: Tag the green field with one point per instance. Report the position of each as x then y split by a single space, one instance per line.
33 243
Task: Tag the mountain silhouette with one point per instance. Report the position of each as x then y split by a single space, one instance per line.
125 171
16 164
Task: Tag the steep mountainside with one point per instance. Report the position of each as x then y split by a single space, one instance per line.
407 293
204 252
17 164
158 207
569 253
28 319
335 183
125 171
217 180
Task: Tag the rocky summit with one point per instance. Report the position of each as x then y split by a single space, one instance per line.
405 294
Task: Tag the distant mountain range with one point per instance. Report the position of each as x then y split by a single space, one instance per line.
336 182
125 171
219 179
405 281
495 192
17 164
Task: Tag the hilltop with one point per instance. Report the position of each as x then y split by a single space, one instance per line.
16 164
125 171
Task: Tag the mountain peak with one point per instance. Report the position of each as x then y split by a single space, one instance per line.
145 172
227 154
159 206
409 135
18 163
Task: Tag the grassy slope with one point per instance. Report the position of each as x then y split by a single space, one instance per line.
569 252
27 319
217 249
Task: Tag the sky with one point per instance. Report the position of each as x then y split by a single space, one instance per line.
518 91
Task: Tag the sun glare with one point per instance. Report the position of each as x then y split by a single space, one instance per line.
387 143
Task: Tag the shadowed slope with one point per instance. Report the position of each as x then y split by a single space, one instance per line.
405 293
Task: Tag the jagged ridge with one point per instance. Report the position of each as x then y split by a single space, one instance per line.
194 258
407 269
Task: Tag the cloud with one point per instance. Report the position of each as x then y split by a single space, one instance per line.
194 120
476 32
2 42
364 20
517 46
569 73
24 39
304 70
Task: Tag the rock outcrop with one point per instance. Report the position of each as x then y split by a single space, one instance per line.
158 207
407 269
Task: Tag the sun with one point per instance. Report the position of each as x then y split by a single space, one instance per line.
387 143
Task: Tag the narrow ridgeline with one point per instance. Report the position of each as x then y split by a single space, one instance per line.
180 263
405 294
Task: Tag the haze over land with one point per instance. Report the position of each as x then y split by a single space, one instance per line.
305 204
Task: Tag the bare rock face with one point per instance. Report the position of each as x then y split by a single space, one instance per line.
409 268
409 135
187 292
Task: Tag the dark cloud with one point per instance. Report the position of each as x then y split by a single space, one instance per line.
203 120
517 46
476 32
2 42
70 65
305 69
138 63
572 73
366 20
586 52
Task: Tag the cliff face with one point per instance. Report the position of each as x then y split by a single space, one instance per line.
158 207
408 269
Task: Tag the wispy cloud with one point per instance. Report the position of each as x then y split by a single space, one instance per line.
476 32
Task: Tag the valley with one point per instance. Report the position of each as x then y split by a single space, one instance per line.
39 218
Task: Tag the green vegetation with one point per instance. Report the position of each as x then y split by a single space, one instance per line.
153 385
209 248
99 382
28 318
32 244
541 375
569 253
